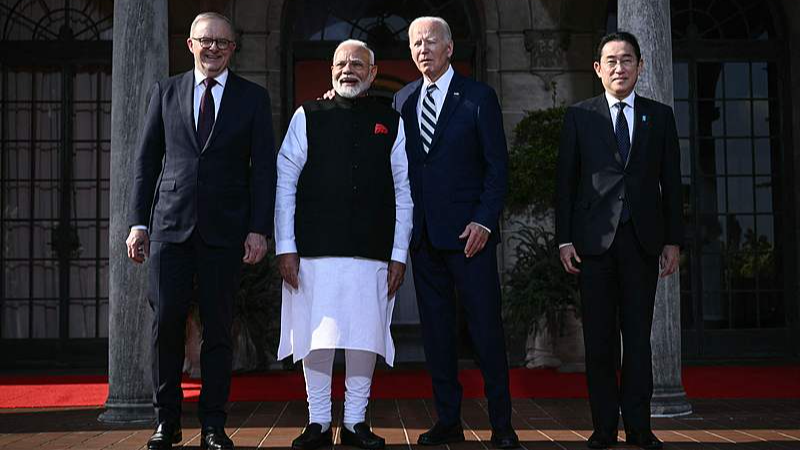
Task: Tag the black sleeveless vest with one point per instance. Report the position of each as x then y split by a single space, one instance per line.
345 194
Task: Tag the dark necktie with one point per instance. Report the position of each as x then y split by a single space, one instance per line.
205 120
624 147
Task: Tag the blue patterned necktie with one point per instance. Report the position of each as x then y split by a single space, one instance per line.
624 147
623 133
427 125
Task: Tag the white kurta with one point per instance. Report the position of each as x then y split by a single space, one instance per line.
341 302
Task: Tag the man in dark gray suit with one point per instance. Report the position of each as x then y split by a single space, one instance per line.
203 200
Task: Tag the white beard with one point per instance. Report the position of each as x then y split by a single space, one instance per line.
350 91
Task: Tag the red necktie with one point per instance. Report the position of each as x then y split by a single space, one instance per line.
205 120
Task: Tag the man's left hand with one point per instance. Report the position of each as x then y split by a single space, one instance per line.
255 247
669 259
476 237
397 271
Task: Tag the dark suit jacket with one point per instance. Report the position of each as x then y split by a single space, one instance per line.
225 189
593 181
464 177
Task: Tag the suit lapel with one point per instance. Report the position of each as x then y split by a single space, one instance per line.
186 106
451 102
641 127
410 112
230 96
601 107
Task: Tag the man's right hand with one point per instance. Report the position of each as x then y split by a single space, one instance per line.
289 266
138 244
329 95
567 253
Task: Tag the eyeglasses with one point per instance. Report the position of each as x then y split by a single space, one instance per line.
625 63
222 44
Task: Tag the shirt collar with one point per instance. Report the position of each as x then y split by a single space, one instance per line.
442 84
627 100
221 79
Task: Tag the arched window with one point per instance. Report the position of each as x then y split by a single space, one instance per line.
55 108
727 57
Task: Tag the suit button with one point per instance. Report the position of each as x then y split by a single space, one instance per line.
621 198
355 188
355 166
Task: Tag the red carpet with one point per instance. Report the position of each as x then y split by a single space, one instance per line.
700 382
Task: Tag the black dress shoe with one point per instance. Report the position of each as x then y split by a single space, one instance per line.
646 440
362 438
598 439
165 435
442 434
505 439
214 438
313 437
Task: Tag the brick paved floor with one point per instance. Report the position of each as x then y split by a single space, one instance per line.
541 424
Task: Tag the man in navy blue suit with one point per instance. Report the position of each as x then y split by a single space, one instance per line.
458 164
203 202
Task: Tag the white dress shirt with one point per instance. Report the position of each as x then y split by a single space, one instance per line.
442 85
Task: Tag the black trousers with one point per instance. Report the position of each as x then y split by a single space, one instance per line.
438 274
619 285
173 267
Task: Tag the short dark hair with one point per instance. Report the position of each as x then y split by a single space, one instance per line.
623 36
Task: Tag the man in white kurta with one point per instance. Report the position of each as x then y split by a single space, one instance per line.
342 228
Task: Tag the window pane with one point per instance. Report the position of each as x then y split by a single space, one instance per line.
738 227
764 194
760 80
709 80
686 157
772 309
45 318
715 309
15 319
682 118
680 73
740 194
711 195
737 118
763 154
745 310
712 156
710 121
740 157
761 118
737 80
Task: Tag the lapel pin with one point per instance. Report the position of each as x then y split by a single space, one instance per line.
644 118
456 94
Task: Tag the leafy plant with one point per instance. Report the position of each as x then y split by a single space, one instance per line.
537 286
532 161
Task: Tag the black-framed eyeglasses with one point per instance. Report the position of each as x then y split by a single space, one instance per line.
222 44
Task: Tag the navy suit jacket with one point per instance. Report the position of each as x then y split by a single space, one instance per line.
593 181
464 177
223 189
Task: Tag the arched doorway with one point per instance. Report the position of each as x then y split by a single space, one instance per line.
729 76
55 108
311 31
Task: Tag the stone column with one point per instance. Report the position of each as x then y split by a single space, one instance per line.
649 21
140 59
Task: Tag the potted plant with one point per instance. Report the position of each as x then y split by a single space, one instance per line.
541 299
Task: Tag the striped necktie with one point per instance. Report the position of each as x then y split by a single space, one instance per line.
428 123
623 135
205 118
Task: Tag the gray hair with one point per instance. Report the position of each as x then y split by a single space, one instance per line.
212 16
357 43
448 36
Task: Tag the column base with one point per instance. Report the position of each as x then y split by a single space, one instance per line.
670 402
128 412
